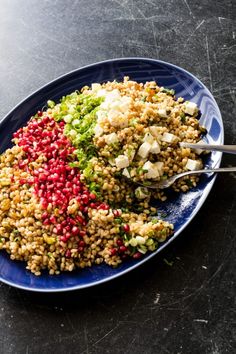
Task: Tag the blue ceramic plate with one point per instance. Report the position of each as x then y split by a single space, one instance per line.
180 208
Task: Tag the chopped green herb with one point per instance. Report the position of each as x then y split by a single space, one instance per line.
183 117
169 91
154 220
51 104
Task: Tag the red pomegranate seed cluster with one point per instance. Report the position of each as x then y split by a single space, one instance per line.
55 182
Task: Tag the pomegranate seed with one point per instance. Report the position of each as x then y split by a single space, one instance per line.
52 219
92 196
75 230
116 213
68 235
23 181
63 239
59 228
122 249
113 251
68 253
120 242
45 215
126 228
103 206
137 255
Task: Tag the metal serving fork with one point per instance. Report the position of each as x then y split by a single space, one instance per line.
169 181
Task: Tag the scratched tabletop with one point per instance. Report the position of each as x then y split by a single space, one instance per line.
183 300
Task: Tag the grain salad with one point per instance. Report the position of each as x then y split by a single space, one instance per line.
68 192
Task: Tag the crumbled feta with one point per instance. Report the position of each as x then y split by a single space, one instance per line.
144 150
155 148
141 240
152 171
193 165
122 104
148 138
126 173
117 119
100 115
95 87
112 95
98 131
111 138
190 108
162 112
122 161
141 193
101 93
169 138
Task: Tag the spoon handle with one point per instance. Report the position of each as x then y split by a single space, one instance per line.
230 149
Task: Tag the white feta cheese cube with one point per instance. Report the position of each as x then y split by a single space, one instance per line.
101 93
141 193
98 131
155 148
126 173
124 103
112 96
152 171
111 138
100 116
141 240
169 138
190 108
193 165
117 119
148 138
144 150
162 113
122 161
95 87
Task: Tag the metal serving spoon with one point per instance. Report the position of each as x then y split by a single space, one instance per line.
169 181
231 149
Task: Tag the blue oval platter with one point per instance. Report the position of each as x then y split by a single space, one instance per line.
179 208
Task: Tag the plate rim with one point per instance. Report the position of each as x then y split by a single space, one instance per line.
205 193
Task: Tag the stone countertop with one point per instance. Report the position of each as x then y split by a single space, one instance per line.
188 307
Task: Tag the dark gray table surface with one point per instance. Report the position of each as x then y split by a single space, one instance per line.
186 308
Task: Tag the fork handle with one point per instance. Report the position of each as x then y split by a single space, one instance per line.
207 170
230 149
